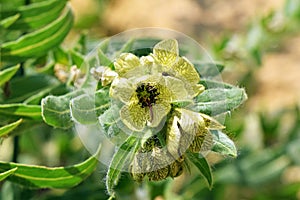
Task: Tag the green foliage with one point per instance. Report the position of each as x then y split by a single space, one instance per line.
5 130
39 41
45 177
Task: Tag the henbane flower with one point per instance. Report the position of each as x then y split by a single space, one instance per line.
149 85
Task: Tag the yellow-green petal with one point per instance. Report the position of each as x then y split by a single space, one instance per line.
121 89
166 52
177 89
186 70
134 117
157 112
211 123
125 63
192 122
197 89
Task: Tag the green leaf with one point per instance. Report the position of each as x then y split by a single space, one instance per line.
5 23
223 144
35 177
104 60
5 130
127 47
22 110
25 87
37 43
7 173
5 75
86 108
37 15
208 69
61 56
56 109
201 163
77 58
219 100
118 161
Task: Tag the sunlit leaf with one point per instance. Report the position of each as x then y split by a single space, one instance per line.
22 110
5 23
5 130
37 43
37 15
5 75
7 173
35 177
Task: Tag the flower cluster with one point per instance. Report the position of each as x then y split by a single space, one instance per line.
153 92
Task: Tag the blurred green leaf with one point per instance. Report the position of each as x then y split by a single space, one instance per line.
118 161
7 74
104 59
37 43
22 110
86 108
36 15
201 163
7 173
35 177
219 100
77 58
5 23
25 87
127 47
223 144
61 56
5 130
56 109
208 69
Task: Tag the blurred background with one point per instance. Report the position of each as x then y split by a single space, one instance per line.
259 43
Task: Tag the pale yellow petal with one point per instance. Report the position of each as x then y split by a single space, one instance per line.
126 62
173 137
157 112
134 117
177 89
121 89
186 70
166 52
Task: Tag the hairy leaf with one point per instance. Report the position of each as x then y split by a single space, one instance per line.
86 108
219 100
56 109
223 144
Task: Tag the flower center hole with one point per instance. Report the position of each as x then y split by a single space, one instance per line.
147 94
